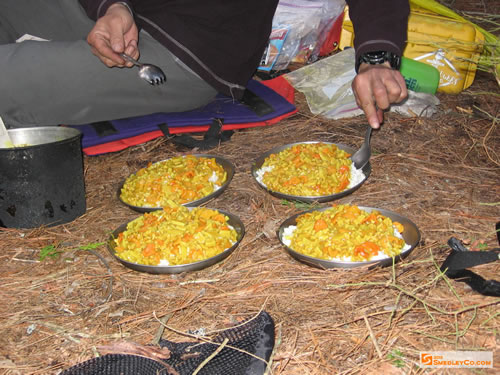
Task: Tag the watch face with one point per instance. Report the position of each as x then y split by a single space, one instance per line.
379 57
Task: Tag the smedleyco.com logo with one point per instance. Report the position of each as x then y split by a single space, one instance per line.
456 359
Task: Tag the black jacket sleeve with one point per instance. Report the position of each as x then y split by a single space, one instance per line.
379 25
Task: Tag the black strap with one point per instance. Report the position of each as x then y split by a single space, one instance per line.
256 103
456 264
213 136
104 128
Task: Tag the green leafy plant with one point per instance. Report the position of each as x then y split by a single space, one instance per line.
482 246
298 205
52 251
49 251
91 246
397 358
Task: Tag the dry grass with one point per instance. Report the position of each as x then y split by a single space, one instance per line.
441 172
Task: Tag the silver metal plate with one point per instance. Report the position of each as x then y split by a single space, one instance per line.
307 199
224 163
411 235
234 221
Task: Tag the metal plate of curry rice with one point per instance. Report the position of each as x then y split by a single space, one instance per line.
257 165
233 221
410 234
224 163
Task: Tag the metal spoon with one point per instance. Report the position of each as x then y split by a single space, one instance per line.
148 72
362 156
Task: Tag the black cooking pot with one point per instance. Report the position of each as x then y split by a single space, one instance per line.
41 179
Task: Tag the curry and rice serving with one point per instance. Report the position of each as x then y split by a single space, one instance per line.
309 169
175 235
345 233
181 179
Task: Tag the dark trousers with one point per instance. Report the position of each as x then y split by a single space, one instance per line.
61 82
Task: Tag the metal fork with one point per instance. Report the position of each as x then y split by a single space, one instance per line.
362 156
148 72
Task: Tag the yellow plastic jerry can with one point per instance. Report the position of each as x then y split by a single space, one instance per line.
451 46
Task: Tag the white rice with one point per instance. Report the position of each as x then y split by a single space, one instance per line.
213 179
357 176
260 174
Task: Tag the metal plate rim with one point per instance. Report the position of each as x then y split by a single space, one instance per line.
307 199
225 163
408 224
234 221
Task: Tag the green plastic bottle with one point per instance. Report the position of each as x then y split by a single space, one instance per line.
419 77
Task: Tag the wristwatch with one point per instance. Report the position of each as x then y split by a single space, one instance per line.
379 57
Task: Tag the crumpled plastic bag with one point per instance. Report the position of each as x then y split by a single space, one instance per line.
417 104
326 85
299 29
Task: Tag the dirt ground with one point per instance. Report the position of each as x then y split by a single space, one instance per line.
441 172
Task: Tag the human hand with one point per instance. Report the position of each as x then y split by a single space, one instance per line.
113 33
376 87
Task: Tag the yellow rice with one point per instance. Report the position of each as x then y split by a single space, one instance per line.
181 179
309 169
175 235
345 232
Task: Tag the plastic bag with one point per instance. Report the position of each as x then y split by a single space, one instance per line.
299 29
326 85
